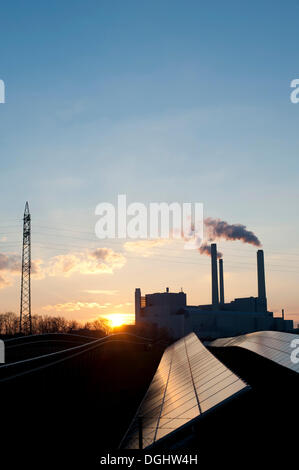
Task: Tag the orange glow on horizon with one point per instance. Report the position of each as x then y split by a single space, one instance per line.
116 319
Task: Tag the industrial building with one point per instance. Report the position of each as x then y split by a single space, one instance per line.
219 319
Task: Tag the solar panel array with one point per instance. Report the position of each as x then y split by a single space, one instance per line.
188 382
274 345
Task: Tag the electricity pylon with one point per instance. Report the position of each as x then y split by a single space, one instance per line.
25 310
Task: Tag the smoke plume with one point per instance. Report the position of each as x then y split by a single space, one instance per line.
217 229
205 249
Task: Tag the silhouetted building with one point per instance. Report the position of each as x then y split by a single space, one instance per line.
218 319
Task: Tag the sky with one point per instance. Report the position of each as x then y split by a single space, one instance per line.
162 101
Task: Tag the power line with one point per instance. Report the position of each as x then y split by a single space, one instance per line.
161 258
165 248
155 250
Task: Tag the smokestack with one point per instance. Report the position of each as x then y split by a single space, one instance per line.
261 275
137 304
221 283
215 298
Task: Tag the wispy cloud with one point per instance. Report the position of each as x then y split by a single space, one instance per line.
101 291
146 247
125 304
10 265
10 262
99 261
4 282
37 270
74 306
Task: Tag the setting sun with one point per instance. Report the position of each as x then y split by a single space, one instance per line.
116 319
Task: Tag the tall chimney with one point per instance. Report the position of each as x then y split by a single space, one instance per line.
262 299
215 298
261 275
221 283
137 304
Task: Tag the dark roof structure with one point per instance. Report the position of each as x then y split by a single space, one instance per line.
277 346
189 382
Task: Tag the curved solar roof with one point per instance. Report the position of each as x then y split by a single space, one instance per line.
274 345
188 382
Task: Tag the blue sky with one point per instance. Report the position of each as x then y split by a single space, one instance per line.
163 101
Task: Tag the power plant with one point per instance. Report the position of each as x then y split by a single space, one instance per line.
218 319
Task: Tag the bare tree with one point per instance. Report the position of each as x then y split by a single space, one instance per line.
41 324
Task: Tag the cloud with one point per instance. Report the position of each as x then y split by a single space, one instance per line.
36 270
4 282
108 257
101 291
10 262
73 306
99 261
125 304
145 247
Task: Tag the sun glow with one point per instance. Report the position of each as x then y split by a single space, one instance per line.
116 319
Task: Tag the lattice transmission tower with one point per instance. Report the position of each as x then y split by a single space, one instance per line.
25 310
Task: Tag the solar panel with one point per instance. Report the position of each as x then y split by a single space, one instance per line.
274 345
188 382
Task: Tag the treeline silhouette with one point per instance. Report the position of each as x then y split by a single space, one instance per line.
41 324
